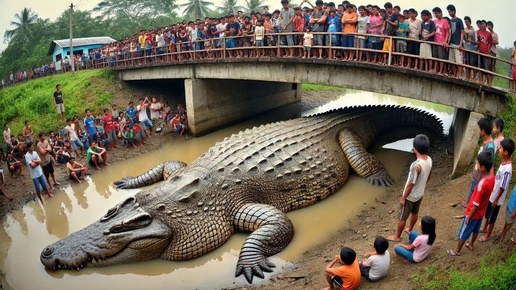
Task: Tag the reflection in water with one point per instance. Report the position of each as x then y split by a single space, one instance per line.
23 237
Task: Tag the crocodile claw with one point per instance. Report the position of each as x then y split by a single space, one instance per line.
123 184
255 268
380 178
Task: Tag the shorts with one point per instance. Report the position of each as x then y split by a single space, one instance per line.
348 41
401 46
307 48
48 169
146 124
492 213
77 143
508 217
439 52
259 43
425 50
364 272
466 230
359 42
230 43
337 280
60 108
179 128
77 173
374 43
287 40
408 208
40 182
318 39
111 136
485 63
471 59
455 55
387 45
413 47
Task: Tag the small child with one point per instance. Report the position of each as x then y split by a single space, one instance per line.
485 129
259 35
376 264
401 44
497 131
128 137
503 178
427 34
477 204
308 41
346 276
420 245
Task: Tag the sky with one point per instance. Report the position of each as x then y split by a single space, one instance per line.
498 11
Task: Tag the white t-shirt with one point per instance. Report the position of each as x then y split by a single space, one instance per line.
142 114
503 178
192 32
422 248
362 23
307 39
222 27
36 171
155 114
418 180
379 265
71 130
259 31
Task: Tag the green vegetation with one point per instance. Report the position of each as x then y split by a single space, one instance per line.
313 87
33 101
496 271
502 68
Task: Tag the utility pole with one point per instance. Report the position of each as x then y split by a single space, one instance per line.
72 62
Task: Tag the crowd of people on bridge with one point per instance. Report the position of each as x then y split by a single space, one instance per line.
87 138
438 43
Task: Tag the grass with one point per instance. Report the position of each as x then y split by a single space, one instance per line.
314 87
33 101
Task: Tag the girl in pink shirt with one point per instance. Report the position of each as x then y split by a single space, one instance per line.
420 245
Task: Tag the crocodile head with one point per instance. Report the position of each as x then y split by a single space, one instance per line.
127 233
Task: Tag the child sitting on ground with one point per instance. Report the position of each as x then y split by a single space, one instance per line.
420 245
477 204
376 264
500 189
14 165
128 137
346 276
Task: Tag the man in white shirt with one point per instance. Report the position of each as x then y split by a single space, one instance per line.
142 115
36 173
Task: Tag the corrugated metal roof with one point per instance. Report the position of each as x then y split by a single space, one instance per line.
64 43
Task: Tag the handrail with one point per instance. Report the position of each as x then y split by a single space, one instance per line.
180 52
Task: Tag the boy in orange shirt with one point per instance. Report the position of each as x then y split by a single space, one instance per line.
347 276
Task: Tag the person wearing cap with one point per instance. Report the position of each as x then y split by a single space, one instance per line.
318 19
287 16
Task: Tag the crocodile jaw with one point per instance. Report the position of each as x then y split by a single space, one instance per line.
125 234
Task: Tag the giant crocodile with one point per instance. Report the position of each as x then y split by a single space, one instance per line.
245 183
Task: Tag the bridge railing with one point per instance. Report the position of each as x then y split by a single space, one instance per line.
242 47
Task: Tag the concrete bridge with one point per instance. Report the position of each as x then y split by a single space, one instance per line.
219 92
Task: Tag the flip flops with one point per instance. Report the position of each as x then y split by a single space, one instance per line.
452 253
469 246
483 239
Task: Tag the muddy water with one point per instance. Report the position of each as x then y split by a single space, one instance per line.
26 232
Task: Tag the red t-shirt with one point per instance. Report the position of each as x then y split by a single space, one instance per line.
109 125
480 197
485 41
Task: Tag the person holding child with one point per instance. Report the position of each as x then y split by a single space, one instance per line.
376 264
477 205
420 245
346 276
419 174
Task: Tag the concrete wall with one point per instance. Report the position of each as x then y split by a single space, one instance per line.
381 79
212 104
466 134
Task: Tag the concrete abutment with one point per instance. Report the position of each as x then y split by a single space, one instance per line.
216 103
465 143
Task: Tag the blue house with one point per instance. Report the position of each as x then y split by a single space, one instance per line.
59 49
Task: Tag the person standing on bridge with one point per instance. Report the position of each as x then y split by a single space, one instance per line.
287 16
455 41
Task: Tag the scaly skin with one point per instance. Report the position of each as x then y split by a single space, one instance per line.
245 183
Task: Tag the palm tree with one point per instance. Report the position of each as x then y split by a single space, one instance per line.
196 8
229 7
254 5
22 23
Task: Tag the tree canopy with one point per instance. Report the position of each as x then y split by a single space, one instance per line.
196 8
22 23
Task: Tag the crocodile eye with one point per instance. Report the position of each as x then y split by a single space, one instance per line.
111 213
116 229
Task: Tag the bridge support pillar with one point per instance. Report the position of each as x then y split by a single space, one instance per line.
465 143
214 103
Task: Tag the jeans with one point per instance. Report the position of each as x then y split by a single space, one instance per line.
409 255
40 182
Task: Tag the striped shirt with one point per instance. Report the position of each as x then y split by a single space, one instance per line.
503 178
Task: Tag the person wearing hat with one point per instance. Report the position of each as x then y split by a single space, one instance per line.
318 19
287 16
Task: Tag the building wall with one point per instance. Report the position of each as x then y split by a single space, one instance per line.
66 51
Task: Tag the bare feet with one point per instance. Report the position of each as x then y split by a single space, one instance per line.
98 168
394 238
57 183
469 246
107 164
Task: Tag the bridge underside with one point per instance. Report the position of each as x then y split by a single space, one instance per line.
221 92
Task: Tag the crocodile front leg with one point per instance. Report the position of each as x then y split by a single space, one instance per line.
364 163
271 231
158 173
